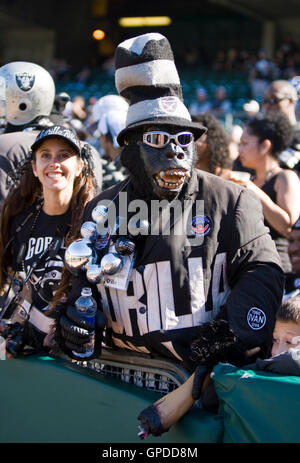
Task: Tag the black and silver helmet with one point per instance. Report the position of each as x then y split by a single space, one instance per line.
29 92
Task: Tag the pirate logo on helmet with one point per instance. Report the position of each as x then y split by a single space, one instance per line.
25 81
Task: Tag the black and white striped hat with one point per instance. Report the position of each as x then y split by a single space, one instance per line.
146 76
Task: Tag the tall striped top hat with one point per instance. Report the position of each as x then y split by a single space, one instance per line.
146 76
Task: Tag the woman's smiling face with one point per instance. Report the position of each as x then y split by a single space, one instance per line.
56 165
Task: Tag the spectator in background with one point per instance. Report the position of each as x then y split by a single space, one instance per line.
110 114
56 115
262 141
84 75
234 138
288 47
286 333
201 105
212 148
282 96
60 69
110 125
231 60
261 74
220 105
78 127
219 61
75 109
250 110
103 105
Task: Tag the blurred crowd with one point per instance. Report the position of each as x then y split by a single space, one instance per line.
257 68
284 64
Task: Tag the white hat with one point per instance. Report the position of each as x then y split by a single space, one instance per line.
112 122
107 103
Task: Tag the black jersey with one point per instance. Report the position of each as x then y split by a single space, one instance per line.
39 263
178 284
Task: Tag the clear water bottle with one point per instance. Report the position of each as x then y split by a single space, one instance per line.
87 308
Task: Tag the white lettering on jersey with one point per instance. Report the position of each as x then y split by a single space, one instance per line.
220 271
30 248
156 282
197 291
36 246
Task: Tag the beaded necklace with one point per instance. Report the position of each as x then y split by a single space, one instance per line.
54 246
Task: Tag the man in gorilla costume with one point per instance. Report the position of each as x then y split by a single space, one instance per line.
195 303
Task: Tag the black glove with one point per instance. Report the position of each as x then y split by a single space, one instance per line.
14 335
284 364
216 343
74 333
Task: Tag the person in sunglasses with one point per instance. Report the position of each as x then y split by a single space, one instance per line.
282 96
220 273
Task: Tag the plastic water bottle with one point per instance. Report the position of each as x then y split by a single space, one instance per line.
87 308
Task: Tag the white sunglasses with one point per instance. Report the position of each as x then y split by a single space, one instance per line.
158 139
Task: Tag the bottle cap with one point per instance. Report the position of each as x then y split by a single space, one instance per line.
86 292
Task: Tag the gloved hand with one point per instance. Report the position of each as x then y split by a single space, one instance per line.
72 332
285 364
14 335
216 343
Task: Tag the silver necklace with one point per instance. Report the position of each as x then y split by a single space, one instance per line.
270 173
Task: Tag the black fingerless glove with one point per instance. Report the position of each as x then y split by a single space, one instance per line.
74 334
216 343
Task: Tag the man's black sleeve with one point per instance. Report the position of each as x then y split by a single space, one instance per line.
254 274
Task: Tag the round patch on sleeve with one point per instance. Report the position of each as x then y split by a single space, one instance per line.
256 318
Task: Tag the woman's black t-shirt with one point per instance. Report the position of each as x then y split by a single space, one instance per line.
38 259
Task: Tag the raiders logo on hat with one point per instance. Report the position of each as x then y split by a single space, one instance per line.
169 104
25 81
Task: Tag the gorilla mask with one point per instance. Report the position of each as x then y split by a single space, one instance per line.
166 165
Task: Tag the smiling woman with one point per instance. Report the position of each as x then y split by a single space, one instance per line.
56 164
40 215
